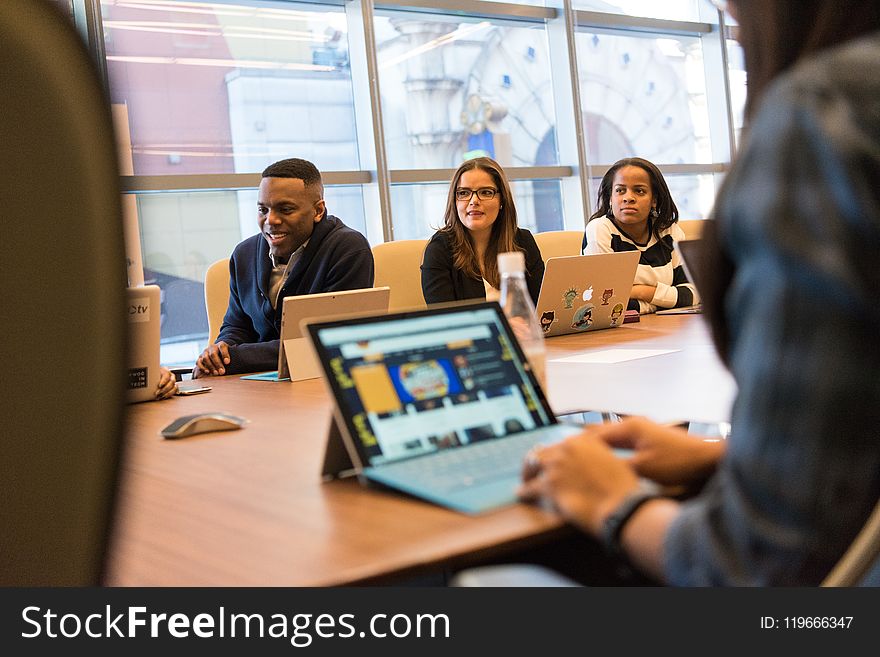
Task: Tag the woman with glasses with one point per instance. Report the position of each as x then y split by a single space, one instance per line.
635 212
791 296
461 260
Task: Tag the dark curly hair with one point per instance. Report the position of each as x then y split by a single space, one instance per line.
667 213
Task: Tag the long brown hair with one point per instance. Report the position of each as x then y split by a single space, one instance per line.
667 213
775 35
501 239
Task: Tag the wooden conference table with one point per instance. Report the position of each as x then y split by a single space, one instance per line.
247 508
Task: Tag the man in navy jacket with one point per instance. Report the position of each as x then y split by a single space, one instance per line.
300 250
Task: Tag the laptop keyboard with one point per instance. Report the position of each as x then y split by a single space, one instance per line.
471 465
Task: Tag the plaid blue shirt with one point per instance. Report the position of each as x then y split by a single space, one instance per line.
800 221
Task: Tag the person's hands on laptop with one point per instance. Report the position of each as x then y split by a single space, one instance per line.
668 455
583 478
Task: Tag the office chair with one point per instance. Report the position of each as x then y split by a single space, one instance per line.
512 575
859 565
64 303
862 554
398 265
693 228
216 296
556 243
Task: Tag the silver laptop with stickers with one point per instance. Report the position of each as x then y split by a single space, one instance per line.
586 292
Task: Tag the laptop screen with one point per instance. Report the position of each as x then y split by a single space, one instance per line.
692 254
413 383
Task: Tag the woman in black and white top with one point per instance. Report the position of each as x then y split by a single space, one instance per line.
635 212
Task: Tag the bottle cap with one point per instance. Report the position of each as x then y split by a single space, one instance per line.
511 262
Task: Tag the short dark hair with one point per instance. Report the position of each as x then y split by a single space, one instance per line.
294 167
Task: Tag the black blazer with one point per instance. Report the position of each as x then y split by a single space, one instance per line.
441 281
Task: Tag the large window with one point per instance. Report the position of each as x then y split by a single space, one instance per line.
453 87
683 10
387 97
737 73
644 95
216 87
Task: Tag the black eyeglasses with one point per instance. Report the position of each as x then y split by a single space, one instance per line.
483 193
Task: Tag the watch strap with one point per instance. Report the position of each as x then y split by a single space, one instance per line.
612 528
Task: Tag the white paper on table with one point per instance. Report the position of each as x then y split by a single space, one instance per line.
608 356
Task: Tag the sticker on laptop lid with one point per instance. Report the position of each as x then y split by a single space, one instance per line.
583 318
547 319
569 296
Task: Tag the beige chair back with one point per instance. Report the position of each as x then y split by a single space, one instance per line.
216 296
556 243
693 228
398 266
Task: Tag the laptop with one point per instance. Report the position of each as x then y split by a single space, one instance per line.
143 309
438 403
296 360
585 292
691 254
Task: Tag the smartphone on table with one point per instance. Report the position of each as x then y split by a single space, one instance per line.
189 388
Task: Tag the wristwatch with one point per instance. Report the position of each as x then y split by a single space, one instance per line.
613 525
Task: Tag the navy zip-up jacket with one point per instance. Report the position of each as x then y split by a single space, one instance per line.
336 258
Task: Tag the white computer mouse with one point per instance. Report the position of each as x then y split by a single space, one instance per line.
190 425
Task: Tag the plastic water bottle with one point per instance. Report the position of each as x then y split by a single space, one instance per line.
517 304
